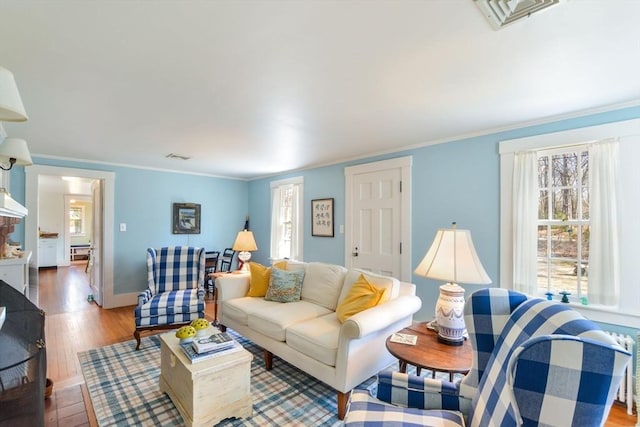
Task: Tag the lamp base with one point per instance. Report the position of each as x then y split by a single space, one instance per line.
244 256
450 314
446 341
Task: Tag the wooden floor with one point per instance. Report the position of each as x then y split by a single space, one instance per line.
74 324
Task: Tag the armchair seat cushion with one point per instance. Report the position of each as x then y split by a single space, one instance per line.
168 305
366 410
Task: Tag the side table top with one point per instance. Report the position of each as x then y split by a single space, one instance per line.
173 344
429 353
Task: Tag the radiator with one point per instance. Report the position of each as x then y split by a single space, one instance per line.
625 393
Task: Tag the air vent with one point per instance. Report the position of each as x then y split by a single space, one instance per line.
500 13
177 156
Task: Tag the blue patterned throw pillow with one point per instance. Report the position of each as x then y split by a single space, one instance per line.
285 286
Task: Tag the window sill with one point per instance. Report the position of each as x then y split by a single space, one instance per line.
610 315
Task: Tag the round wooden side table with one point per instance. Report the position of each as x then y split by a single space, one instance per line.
429 353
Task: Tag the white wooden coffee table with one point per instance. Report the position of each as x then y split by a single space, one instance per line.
210 390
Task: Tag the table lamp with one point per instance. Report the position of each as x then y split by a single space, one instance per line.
452 258
11 108
245 242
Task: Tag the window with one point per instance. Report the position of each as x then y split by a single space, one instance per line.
571 212
286 219
563 221
76 221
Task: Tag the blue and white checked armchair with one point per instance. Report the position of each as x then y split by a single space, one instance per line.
535 363
175 289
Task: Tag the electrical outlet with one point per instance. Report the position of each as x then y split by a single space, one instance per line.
123 226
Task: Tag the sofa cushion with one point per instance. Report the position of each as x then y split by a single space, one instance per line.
316 338
239 309
377 280
361 296
285 286
275 321
323 283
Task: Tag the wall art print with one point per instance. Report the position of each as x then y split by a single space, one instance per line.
322 217
186 218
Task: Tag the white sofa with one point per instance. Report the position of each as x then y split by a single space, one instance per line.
307 333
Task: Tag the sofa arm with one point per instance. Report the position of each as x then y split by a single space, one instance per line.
381 316
420 392
233 285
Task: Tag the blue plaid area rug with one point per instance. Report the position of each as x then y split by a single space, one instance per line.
124 390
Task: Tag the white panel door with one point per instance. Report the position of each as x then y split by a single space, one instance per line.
95 274
378 216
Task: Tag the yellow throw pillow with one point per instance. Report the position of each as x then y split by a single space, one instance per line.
361 296
280 265
259 280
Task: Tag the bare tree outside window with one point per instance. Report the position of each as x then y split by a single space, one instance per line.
563 221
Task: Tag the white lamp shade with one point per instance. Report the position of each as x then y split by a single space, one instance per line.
245 242
453 258
15 148
11 108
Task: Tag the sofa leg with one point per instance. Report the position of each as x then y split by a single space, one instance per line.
343 400
136 335
268 360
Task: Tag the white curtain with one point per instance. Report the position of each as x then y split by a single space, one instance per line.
604 274
281 247
525 222
275 222
296 218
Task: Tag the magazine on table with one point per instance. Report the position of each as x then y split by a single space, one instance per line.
404 338
215 341
195 357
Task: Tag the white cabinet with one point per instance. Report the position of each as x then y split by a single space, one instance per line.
15 271
48 252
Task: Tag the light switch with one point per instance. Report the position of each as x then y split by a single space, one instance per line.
123 226
341 228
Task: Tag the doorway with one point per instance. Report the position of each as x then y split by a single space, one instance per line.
378 217
101 273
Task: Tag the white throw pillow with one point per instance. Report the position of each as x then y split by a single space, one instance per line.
323 283
390 283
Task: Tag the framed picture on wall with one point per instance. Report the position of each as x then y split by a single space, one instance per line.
322 217
186 218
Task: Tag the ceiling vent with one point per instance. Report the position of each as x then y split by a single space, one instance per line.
503 12
177 156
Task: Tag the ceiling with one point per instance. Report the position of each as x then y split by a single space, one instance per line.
253 88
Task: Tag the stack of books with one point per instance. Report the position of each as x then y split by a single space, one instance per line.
214 345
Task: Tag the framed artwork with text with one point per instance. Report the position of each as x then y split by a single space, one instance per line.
322 217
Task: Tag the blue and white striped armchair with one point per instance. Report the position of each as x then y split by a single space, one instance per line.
535 363
175 289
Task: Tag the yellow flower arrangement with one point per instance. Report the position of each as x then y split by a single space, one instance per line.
186 332
200 325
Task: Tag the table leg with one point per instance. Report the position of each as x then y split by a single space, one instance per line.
418 370
403 366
